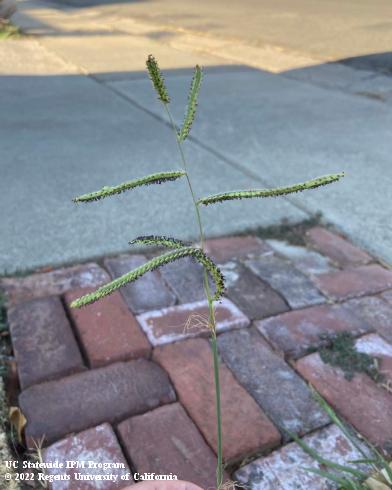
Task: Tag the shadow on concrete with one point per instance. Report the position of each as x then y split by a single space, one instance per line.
380 62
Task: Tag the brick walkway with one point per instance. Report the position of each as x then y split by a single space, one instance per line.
129 379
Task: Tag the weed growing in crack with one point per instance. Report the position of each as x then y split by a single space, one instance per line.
177 248
341 352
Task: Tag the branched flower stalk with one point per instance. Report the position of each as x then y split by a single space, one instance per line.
178 248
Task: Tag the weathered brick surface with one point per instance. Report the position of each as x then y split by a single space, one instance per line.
295 332
81 401
228 248
360 401
278 390
186 279
295 287
91 448
190 368
40 285
107 330
171 444
148 292
306 260
189 320
43 341
375 311
283 469
377 347
253 296
368 279
341 251
387 296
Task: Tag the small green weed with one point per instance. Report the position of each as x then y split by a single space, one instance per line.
9 31
341 352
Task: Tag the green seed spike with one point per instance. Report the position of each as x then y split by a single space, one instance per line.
158 178
278 191
151 265
159 241
192 103
157 79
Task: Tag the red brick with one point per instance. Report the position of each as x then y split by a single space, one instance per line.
228 248
341 251
368 279
377 347
90 448
254 297
295 332
278 390
171 444
149 292
360 401
43 342
296 288
107 330
19 289
81 401
374 311
284 468
190 368
172 324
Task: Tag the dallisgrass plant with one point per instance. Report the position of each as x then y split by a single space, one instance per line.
351 476
178 249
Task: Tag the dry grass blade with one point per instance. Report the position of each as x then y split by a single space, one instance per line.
197 322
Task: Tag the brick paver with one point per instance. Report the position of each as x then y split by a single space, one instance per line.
341 251
171 444
44 345
367 279
307 261
360 401
387 296
377 347
284 468
92 449
189 320
190 368
84 400
147 293
275 386
186 278
375 311
19 289
253 296
295 296
282 276
295 332
223 249
107 330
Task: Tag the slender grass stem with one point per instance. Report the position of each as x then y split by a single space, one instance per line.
211 320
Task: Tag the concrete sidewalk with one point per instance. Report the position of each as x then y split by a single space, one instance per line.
80 114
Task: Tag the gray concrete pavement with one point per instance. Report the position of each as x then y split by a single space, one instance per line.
322 29
80 114
286 131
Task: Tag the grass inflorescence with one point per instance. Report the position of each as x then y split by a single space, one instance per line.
179 248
